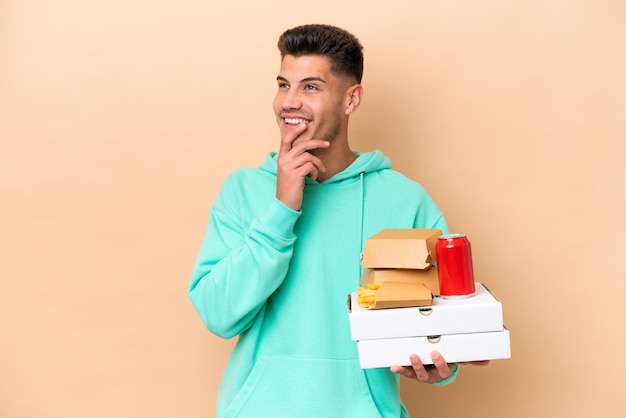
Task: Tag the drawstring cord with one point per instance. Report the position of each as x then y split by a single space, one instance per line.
361 220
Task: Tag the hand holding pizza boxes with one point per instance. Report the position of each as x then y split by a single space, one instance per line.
400 309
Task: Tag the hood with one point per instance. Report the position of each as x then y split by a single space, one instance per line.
366 162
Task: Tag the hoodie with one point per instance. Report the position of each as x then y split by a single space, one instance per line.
279 280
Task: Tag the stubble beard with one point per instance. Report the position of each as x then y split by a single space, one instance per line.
330 135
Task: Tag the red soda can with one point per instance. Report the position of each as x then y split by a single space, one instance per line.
454 266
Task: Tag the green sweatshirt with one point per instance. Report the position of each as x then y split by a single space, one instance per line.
279 279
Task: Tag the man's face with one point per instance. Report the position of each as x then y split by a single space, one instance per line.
309 93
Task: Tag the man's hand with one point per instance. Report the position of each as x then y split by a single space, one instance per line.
440 370
426 374
295 162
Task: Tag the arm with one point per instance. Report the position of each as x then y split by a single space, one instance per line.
237 269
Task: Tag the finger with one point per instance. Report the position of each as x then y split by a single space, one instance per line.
406 371
304 146
296 171
306 163
286 142
421 374
443 368
313 172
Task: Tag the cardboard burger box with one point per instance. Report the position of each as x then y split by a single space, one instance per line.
393 295
402 262
401 249
429 278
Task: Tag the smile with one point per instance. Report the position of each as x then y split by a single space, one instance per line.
295 121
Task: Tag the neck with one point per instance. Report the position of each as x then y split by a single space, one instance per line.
336 159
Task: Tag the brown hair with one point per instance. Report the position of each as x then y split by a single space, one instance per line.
343 50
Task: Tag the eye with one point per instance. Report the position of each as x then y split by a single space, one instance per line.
310 87
283 86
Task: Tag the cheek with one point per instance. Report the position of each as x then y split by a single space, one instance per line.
276 105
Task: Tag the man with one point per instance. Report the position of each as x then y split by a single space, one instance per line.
281 252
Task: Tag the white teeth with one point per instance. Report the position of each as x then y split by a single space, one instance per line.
295 121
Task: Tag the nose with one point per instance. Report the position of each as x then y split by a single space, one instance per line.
291 100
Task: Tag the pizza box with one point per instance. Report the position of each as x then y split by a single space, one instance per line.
454 348
481 312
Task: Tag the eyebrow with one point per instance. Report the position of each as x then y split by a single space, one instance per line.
304 80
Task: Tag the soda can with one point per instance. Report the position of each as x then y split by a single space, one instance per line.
454 266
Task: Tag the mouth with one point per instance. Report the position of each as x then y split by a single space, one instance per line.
295 121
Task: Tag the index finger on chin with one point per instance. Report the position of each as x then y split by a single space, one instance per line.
287 141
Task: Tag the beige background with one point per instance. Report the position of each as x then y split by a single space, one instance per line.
119 120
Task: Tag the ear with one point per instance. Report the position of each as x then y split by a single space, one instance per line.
354 95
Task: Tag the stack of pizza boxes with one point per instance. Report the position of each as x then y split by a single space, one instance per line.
408 315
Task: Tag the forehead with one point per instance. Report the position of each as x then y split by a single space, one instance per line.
298 68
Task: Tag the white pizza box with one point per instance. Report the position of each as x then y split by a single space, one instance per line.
454 348
481 312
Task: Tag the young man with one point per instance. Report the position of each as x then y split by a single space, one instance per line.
281 252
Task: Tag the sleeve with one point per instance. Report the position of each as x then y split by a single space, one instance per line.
429 216
239 267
